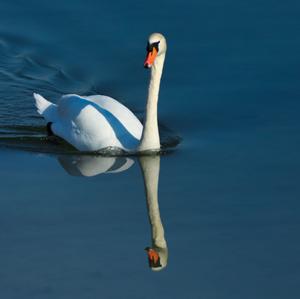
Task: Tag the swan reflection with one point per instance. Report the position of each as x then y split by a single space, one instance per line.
79 165
158 252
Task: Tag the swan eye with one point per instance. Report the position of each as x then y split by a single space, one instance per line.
151 46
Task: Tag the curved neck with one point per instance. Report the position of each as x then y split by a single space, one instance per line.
150 167
150 137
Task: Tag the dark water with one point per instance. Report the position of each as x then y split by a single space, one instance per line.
228 193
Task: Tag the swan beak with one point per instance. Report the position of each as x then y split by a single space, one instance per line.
153 258
151 55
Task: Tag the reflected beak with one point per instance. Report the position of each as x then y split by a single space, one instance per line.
151 55
153 258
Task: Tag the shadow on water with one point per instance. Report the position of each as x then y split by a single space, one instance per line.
88 166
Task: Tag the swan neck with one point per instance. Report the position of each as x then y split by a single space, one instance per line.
150 167
150 138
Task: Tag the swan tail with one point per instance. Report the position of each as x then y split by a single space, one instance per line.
45 108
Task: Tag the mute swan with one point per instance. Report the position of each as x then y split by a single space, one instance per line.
92 123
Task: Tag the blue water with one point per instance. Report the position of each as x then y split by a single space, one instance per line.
228 192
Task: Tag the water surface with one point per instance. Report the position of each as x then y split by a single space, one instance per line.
228 193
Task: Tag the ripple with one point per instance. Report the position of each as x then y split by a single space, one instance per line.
35 139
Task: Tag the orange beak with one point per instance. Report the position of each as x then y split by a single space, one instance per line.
151 55
153 257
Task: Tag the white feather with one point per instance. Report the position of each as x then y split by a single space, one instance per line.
45 108
91 123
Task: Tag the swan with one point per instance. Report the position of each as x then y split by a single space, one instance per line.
93 123
158 252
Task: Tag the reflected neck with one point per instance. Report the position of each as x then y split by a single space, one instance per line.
150 137
150 167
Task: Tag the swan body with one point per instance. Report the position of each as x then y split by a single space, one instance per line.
92 123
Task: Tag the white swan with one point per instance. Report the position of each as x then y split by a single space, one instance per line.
92 123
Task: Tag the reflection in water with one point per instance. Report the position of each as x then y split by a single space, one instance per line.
158 253
80 165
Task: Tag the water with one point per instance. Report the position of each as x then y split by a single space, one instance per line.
75 226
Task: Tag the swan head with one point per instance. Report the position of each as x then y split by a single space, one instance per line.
157 257
156 47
